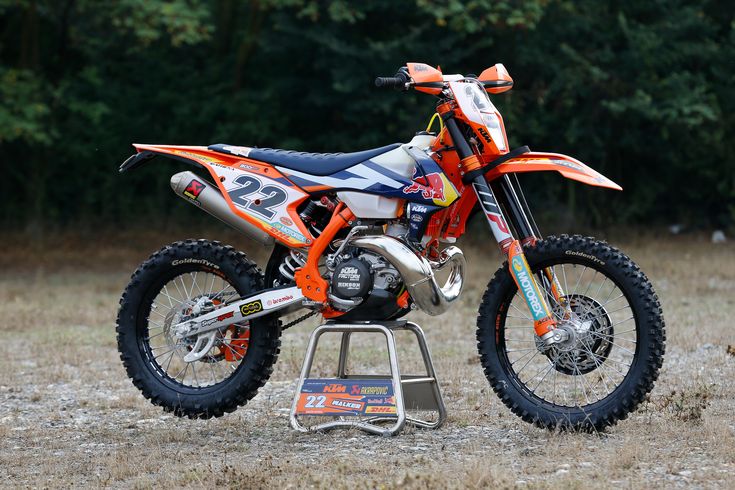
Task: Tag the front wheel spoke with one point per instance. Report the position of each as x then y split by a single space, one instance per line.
609 338
518 373
589 285
579 279
613 343
525 317
584 383
598 366
521 358
545 370
620 363
604 312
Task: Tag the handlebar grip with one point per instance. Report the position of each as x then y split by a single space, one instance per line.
389 82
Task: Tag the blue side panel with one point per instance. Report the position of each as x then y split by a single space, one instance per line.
418 219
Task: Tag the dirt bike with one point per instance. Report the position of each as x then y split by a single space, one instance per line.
570 331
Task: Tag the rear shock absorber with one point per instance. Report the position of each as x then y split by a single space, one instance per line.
291 262
296 259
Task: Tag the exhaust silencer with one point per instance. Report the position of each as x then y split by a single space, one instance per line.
208 197
418 273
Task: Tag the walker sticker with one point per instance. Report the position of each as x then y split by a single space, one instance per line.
338 397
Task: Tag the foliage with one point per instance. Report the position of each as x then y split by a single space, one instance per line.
642 91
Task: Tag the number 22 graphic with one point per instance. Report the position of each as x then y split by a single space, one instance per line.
273 196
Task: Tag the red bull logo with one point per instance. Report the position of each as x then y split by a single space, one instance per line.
434 189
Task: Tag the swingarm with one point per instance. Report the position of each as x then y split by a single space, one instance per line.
205 326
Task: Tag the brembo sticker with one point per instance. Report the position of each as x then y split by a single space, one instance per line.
278 301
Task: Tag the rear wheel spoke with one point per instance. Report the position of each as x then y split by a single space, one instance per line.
178 297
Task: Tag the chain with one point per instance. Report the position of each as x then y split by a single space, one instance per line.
299 319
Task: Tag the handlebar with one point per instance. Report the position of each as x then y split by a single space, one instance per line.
398 81
390 82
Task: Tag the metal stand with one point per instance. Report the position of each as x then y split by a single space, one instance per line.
413 392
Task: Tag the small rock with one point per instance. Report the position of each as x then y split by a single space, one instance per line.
676 228
685 473
718 236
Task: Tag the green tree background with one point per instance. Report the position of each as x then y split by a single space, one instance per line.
640 90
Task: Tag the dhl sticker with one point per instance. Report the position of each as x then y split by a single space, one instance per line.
386 409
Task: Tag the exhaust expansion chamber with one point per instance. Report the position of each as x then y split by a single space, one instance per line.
418 273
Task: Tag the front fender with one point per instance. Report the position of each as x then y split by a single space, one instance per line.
569 167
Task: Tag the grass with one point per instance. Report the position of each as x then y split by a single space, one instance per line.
70 416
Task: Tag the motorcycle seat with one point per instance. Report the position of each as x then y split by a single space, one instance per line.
309 163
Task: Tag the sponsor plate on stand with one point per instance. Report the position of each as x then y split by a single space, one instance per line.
347 397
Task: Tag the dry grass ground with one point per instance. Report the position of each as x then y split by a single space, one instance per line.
69 415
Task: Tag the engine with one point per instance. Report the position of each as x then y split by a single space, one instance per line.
364 284
372 271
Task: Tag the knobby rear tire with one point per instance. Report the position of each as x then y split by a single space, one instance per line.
132 325
646 363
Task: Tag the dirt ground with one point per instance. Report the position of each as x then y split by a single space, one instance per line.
70 417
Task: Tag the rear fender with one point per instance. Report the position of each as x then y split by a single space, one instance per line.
569 167
280 219
192 155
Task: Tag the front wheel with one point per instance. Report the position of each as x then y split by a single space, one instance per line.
614 328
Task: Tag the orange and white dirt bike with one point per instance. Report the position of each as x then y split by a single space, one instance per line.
570 331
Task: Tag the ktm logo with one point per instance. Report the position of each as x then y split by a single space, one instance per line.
335 388
249 308
484 134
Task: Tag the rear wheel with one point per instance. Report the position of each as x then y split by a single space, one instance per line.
180 281
615 337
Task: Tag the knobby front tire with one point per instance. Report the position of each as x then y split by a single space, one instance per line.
616 345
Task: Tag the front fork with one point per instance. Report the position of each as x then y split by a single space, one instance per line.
543 320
